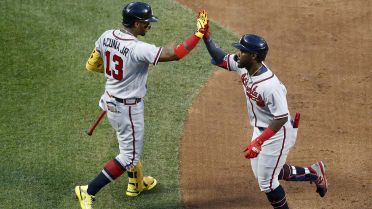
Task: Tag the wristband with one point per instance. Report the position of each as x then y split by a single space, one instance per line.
267 134
192 41
183 49
199 34
180 50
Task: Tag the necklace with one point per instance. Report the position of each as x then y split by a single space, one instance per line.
127 32
250 76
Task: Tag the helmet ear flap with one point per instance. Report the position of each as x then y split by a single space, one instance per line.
262 55
127 23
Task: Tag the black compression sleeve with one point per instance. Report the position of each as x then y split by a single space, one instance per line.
216 52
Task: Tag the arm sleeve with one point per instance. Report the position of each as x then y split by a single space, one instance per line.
216 52
147 53
220 57
277 102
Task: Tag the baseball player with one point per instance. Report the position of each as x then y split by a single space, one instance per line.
274 131
125 60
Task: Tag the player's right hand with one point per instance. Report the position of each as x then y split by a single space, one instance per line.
205 30
202 24
254 148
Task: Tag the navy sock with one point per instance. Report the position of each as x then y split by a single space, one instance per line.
110 172
100 181
277 198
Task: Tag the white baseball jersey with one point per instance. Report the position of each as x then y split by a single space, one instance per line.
265 94
266 100
126 61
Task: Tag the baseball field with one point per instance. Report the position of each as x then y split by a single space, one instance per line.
196 122
321 51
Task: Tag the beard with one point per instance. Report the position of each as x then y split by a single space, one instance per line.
145 30
245 64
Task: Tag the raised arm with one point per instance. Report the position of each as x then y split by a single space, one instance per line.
168 55
182 49
216 52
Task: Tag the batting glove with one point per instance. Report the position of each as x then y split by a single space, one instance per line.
201 23
205 30
254 148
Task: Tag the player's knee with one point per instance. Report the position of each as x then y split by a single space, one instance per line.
127 161
267 185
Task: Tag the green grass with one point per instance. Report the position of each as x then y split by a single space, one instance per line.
49 100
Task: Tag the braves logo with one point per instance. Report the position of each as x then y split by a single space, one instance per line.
251 92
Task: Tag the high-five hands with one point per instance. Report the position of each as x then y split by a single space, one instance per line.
202 25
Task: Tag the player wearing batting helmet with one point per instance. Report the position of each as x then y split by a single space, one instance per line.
274 131
124 60
137 11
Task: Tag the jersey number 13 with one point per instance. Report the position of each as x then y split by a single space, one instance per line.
117 73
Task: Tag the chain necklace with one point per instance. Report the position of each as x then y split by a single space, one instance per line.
250 76
127 32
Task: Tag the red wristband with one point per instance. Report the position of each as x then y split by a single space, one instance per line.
183 49
267 134
180 50
192 42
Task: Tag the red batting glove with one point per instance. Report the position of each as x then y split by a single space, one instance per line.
205 30
254 148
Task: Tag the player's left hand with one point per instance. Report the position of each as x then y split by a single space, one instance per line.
254 148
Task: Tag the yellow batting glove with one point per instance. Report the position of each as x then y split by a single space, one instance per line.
95 62
202 19
201 22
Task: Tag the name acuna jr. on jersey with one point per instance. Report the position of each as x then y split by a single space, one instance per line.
112 43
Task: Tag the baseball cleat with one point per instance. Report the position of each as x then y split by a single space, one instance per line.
321 183
148 184
85 199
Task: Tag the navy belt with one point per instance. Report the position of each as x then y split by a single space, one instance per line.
132 101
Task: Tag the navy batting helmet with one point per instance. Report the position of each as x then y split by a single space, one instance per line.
137 11
253 44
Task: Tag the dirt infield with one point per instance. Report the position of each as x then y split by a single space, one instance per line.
322 51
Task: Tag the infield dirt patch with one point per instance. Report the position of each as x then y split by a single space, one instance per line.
322 51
